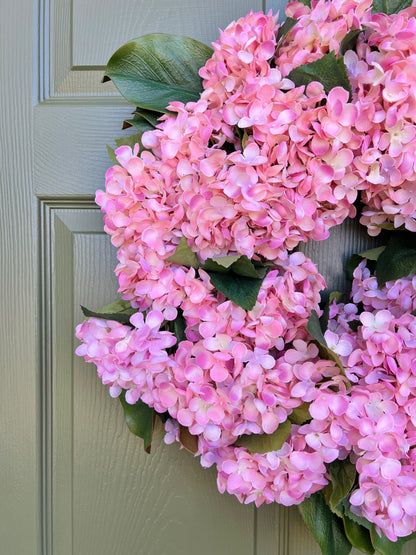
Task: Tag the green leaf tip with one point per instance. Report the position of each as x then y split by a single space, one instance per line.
264 443
184 255
118 311
140 420
314 328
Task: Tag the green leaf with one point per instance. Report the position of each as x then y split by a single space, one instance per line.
143 120
243 291
284 29
239 264
112 155
372 254
349 42
237 277
314 328
179 327
154 70
398 259
328 70
184 255
391 227
118 311
324 319
390 7
221 264
300 415
386 547
149 115
358 536
344 508
130 140
326 527
140 420
264 443
343 475
352 263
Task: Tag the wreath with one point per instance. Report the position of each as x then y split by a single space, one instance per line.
240 154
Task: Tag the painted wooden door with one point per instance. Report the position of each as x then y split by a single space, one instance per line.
74 480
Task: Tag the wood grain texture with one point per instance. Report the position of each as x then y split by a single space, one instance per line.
101 26
19 526
276 6
70 151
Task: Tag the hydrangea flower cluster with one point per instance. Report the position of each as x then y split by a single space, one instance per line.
381 74
222 382
378 349
252 168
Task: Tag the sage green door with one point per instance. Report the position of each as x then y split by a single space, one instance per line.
74 480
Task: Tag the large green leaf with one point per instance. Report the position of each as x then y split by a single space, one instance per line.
358 536
326 527
328 70
390 6
398 258
140 420
386 547
156 69
264 443
343 475
118 311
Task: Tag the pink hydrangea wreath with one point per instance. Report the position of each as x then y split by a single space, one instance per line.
218 329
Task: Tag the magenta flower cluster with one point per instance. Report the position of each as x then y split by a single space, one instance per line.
253 168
